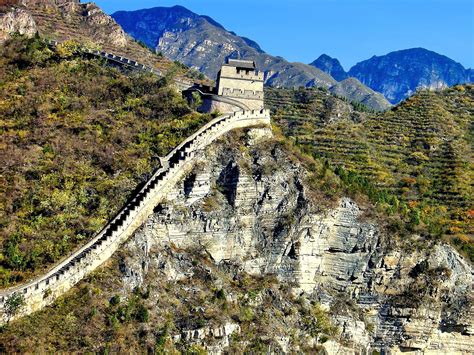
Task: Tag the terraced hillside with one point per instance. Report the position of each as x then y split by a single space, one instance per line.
416 158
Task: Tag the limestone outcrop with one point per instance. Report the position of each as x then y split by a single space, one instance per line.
251 207
16 21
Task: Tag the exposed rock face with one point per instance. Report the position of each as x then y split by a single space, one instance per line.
250 207
95 17
399 74
332 66
16 21
71 19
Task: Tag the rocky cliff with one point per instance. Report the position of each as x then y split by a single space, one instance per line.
246 256
252 209
16 21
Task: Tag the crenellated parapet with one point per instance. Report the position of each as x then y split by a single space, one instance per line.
45 289
243 94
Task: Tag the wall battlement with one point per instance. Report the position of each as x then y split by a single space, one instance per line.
244 94
231 74
45 289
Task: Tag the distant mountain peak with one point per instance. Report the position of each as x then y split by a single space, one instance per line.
400 73
330 65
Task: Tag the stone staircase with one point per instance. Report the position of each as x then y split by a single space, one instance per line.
46 288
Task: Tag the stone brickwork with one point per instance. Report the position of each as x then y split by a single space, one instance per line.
240 80
45 289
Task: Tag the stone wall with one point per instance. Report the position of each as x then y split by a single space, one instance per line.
44 290
210 104
244 86
244 94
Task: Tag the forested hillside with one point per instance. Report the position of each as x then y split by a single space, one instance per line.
77 137
414 160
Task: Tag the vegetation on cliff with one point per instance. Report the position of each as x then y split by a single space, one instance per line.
77 137
98 317
414 161
87 24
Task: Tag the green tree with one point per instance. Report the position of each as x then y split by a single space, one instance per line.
13 304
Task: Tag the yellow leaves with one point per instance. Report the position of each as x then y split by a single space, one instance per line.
62 199
419 156
142 166
96 223
455 230
408 181
22 134
132 102
68 48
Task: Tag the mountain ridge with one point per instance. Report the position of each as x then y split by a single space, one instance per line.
81 22
398 74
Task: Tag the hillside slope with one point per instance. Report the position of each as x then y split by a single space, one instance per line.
77 139
419 152
259 248
85 23
353 90
249 255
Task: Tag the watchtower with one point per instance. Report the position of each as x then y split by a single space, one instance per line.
241 81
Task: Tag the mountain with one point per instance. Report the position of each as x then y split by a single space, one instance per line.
202 43
257 248
353 90
332 66
270 241
399 74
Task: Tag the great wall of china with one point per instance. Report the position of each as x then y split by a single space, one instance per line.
45 289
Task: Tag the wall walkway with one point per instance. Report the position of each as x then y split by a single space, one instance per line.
46 288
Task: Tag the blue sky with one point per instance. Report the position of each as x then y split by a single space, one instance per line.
350 30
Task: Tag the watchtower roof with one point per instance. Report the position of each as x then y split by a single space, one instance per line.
241 64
